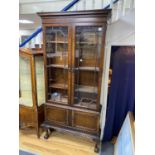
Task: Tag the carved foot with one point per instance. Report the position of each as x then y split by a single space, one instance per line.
47 134
96 149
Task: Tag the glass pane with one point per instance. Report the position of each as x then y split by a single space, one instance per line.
25 82
57 63
87 53
39 68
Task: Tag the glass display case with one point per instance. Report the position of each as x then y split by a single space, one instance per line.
73 56
31 88
25 82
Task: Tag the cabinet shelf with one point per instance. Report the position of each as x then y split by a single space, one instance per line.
62 101
85 102
57 54
59 86
57 42
85 68
86 105
86 89
57 66
87 43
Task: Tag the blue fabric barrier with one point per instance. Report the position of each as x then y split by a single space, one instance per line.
121 97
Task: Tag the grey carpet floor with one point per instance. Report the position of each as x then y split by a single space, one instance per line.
107 149
22 152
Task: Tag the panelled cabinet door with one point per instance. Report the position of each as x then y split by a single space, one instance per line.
86 63
56 115
85 121
57 59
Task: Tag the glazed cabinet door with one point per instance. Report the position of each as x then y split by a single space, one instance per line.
57 63
87 61
25 81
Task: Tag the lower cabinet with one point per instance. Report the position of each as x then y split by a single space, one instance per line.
83 121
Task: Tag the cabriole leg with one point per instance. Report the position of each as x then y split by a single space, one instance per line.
96 149
47 134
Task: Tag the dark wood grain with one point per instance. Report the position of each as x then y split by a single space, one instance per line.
68 117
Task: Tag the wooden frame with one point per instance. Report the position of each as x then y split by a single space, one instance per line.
31 116
82 121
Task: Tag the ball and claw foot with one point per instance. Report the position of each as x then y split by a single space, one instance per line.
96 149
46 134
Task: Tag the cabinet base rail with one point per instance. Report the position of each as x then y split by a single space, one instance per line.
50 127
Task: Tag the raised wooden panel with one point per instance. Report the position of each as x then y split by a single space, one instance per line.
26 115
56 115
85 121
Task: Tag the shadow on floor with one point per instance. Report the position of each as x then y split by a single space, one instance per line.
22 152
107 149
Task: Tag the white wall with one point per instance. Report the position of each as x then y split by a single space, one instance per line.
121 32
33 6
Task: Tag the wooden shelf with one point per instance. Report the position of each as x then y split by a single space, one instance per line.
79 68
58 42
87 89
87 43
62 101
57 54
57 66
89 105
86 105
88 68
59 86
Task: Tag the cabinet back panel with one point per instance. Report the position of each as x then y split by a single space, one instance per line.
88 78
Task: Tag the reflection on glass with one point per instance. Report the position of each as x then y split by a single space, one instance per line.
39 71
57 63
87 53
25 82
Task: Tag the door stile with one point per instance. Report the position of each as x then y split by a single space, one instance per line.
101 66
73 64
69 64
45 63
